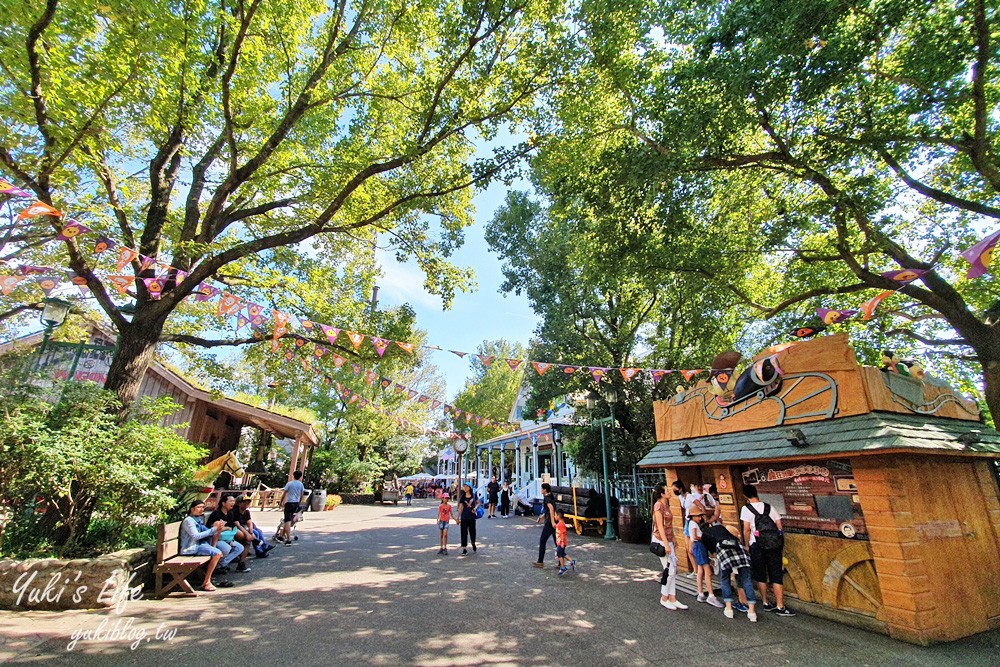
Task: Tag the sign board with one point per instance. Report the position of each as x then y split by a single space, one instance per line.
814 498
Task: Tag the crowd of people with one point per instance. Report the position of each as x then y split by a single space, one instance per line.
230 533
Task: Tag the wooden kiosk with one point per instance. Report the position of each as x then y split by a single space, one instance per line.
887 486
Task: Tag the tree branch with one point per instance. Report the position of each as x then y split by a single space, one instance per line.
37 97
934 342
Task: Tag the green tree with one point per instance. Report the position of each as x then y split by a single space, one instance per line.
230 134
491 391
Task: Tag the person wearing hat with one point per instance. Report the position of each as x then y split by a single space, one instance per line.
242 515
702 564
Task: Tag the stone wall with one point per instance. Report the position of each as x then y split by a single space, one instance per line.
83 583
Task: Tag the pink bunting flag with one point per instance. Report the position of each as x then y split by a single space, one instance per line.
356 369
103 244
47 283
629 373
980 255
338 360
121 283
307 324
8 188
180 277
355 338
690 374
461 355
146 263
206 292
320 351
829 316
435 404
8 283
125 257
241 322
381 345
155 288
598 373
486 360
399 388
658 375
31 270
410 393
406 346
254 309
904 275
869 306
331 333
541 367
457 412
38 209
229 304
71 230
514 363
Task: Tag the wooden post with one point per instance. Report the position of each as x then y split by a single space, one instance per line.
295 458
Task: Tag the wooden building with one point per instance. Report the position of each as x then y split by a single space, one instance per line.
887 486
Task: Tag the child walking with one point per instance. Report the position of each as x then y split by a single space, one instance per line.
561 543
444 518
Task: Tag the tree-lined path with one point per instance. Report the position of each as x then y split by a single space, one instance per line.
363 586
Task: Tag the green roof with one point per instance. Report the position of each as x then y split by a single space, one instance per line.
869 433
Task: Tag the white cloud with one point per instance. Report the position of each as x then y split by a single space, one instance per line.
405 283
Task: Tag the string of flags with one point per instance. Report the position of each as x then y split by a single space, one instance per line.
254 316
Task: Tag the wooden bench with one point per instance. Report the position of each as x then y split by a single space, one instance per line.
171 563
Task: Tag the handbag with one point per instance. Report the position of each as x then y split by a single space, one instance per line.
480 512
657 549
227 535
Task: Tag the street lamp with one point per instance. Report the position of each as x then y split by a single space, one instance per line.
460 446
53 315
611 397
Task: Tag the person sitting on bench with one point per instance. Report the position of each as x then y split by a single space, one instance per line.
242 515
196 540
240 541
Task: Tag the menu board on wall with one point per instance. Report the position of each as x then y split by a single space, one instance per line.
815 498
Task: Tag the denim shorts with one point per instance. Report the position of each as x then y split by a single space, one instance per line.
700 553
205 549
560 551
442 525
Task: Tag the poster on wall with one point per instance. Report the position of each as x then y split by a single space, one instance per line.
813 498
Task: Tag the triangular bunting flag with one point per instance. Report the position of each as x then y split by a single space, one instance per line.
299 341
598 373
356 369
869 306
468 418
834 316
155 288
405 346
447 408
384 382
331 333
479 420
280 318
423 398
629 373
279 331
486 361
7 188
381 345
229 304
71 230
254 310
241 321
37 209
206 292
121 283
410 393
103 244
514 363
146 263
289 355
125 257
689 374
370 377
275 346
980 255
399 388
8 283
338 360
32 270
806 332
355 338
435 404
904 275
307 324
47 283
658 375
320 351
541 366
569 370
457 412
458 354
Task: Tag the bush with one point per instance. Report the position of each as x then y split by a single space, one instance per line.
63 465
332 500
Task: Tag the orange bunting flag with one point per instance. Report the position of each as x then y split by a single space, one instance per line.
355 338
279 331
435 404
629 373
370 377
229 304
8 283
338 360
689 374
37 209
381 345
869 306
541 366
468 418
280 318
410 393
514 363
486 361
121 283
125 257
406 346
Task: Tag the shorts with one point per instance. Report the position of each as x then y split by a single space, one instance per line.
700 553
560 551
766 565
442 525
291 509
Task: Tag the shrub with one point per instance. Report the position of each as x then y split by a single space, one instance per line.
332 500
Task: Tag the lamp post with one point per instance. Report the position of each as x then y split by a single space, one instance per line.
611 397
460 446
53 315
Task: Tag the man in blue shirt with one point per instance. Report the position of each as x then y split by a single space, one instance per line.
292 496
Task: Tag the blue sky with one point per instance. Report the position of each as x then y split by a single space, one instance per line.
485 314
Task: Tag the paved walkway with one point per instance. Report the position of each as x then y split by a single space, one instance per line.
364 586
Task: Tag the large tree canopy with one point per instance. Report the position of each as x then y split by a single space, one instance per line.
224 136
840 139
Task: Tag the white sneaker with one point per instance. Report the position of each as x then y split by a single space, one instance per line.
701 597
752 616
680 605
668 604
714 601
728 611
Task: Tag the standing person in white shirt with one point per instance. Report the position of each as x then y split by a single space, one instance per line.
292 496
763 533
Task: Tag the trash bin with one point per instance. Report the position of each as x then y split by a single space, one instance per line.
537 508
317 501
628 524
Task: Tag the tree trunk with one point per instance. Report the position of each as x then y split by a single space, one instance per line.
991 384
133 354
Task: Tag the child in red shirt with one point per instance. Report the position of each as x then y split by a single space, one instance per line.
561 543
444 518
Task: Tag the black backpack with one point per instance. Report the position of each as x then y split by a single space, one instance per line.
766 530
